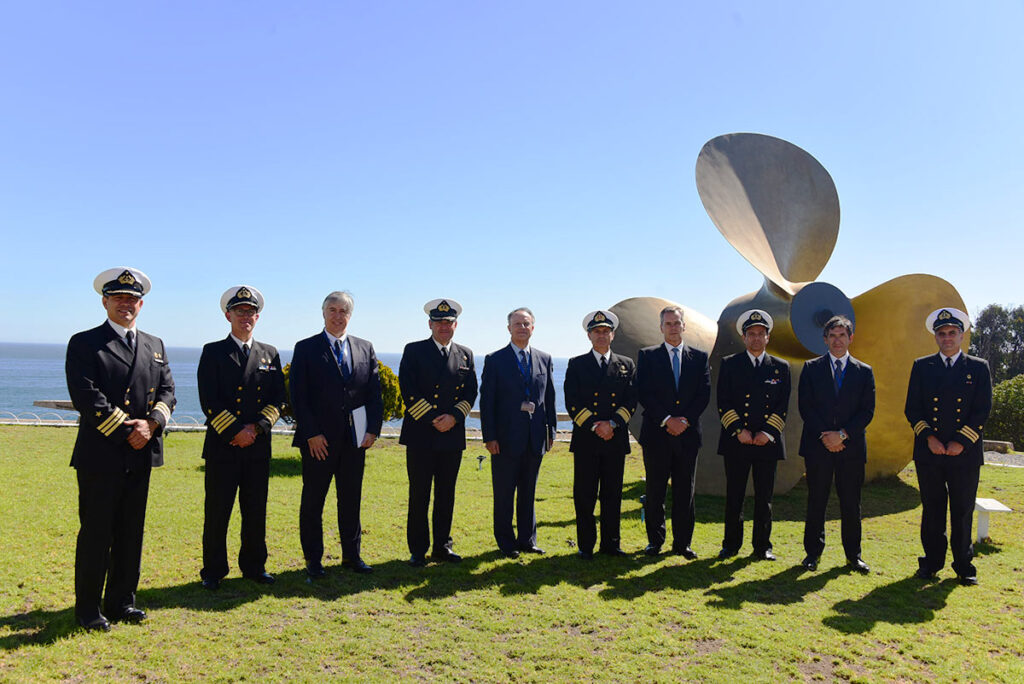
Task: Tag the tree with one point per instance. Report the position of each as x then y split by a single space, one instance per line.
998 336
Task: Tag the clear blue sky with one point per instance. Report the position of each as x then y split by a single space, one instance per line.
503 154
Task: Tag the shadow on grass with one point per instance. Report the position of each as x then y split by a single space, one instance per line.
906 601
783 588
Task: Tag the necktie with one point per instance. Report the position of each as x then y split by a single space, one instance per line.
604 364
129 340
949 362
444 353
837 377
245 350
757 362
342 356
524 365
675 365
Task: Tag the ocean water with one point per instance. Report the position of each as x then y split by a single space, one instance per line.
31 372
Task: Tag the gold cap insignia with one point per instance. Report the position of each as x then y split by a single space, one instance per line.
243 293
943 315
126 278
443 306
599 317
755 316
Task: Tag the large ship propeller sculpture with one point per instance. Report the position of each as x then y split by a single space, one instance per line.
778 207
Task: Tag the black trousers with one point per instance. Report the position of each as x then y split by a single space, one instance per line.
426 468
344 464
848 474
514 481
737 471
597 475
248 477
942 479
112 513
678 463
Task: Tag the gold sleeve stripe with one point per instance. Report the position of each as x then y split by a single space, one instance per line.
729 417
223 419
161 407
464 408
271 413
969 434
776 422
116 417
419 409
582 416
624 412
920 426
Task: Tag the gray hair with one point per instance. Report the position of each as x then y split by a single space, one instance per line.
338 296
670 309
522 309
838 322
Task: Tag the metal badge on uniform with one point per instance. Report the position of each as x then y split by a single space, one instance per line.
528 406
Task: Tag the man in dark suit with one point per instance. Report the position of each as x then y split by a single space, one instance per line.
837 401
948 401
438 382
241 391
517 418
673 386
336 398
121 386
601 396
753 398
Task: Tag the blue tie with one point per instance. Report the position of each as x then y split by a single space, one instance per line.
341 353
838 375
675 365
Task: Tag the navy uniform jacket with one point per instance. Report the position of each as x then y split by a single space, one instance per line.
502 393
108 385
591 395
952 404
432 388
823 411
657 393
234 392
755 400
322 400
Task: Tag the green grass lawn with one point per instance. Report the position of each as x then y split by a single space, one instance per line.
539 618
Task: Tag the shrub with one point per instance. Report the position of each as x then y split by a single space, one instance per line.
394 407
1006 423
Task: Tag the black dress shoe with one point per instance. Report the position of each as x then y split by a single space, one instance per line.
585 555
967 580
687 553
924 573
99 624
726 553
211 584
617 553
261 578
447 556
315 570
652 550
858 565
131 615
357 565
810 563
533 549
765 555
417 561
512 553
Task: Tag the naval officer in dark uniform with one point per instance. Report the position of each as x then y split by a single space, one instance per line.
438 382
948 401
121 386
601 396
753 398
241 391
